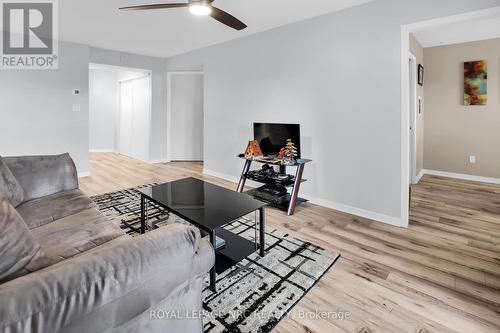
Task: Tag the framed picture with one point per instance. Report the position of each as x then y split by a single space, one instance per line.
475 82
420 75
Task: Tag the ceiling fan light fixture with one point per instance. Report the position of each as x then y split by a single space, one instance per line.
197 7
200 8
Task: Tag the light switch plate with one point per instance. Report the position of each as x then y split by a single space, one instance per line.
76 107
472 159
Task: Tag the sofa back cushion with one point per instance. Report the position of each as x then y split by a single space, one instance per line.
9 186
19 252
40 176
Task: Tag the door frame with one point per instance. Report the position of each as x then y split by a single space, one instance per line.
169 108
150 113
412 109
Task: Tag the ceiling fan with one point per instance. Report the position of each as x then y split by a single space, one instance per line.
198 7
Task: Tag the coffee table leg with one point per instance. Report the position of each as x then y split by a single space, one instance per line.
143 215
262 228
213 275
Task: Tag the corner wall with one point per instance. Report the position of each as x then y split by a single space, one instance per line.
454 131
339 76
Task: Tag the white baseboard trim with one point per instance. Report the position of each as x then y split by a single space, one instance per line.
324 203
368 214
159 161
222 176
419 176
102 151
462 176
83 174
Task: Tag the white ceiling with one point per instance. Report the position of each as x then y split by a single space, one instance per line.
163 33
459 32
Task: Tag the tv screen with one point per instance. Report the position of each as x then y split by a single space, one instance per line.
272 137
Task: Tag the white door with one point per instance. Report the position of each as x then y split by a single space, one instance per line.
186 117
135 113
140 118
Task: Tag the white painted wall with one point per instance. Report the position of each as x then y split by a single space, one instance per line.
103 102
36 114
339 76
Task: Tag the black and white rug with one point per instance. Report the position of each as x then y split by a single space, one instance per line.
257 293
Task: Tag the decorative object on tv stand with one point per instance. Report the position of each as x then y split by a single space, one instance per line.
475 82
288 153
253 149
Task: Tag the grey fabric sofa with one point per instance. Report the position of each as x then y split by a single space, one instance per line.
95 277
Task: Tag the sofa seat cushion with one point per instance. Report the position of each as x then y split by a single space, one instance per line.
48 209
75 234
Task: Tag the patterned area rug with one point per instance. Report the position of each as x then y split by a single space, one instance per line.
257 293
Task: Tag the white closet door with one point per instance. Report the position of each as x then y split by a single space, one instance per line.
186 107
135 111
140 118
126 110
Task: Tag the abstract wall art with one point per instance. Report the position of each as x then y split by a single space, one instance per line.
475 82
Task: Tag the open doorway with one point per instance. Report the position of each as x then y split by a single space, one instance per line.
185 117
454 140
120 110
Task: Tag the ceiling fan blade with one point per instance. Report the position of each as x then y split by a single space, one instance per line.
227 19
156 6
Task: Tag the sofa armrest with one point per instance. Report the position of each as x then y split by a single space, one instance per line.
106 287
40 176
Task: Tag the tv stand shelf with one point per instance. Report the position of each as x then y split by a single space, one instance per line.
288 183
294 183
283 206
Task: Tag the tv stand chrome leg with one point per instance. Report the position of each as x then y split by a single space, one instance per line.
246 168
295 190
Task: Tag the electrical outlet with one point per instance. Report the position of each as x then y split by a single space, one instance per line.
472 159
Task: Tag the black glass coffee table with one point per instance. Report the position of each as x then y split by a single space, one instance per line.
210 207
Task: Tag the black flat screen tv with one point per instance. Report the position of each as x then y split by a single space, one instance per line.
272 137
